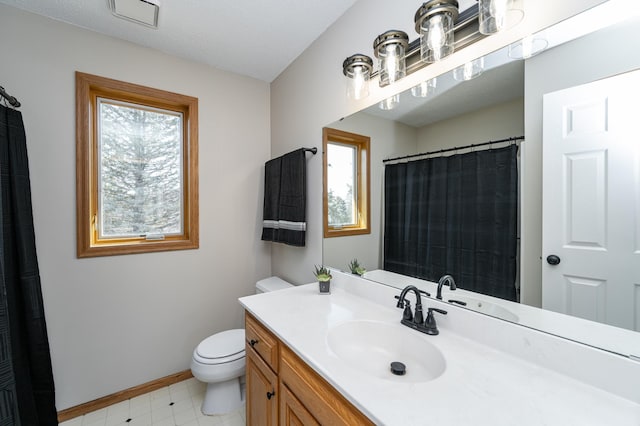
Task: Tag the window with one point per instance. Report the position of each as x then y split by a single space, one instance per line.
136 170
346 183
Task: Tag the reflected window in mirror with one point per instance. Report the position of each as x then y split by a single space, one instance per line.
345 183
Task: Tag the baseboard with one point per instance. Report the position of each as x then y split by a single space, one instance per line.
114 398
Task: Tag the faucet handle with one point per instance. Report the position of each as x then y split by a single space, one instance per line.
426 293
400 303
406 314
430 323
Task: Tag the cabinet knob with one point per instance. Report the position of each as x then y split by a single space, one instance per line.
270 394
253 342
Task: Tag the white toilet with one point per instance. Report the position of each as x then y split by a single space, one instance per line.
219 361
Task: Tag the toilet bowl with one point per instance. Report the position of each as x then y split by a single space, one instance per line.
220 361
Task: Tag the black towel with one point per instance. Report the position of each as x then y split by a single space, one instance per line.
285 199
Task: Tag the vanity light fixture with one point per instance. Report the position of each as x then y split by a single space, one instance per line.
434 22
424 89
528 47
498 15
390 48
470 70
390 103
357 68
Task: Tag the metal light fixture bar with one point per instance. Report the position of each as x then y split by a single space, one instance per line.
466 33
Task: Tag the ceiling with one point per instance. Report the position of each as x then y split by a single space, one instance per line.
256 38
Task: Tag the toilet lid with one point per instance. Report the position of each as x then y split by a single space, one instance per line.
222 345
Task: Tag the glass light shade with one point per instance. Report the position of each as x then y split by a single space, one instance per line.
424 89
390 49
357 68
470 70
390 102
434 22
498 15
527 47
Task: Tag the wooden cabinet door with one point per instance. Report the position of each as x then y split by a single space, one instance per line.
262 341
317 396
292 412
262 392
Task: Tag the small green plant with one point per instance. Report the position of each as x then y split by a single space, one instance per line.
322 273
355 267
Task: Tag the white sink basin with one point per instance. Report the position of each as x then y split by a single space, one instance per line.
371 347
488 308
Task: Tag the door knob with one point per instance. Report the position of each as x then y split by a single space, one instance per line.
553 259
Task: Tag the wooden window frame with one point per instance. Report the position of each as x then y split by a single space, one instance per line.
88 89
363 201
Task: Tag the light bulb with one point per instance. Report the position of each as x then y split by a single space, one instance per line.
435 33
470 70
390 103
390 48
498 15
499 12
527 47
425 88
391 63
357 70
358 83
434 22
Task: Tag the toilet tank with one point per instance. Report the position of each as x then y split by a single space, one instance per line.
271 284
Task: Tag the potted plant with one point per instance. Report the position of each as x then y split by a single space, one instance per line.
324 279
355 268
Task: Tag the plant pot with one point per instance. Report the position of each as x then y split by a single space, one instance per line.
325 287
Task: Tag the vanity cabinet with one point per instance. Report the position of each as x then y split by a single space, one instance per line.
283 389
262 384
261 375
292 412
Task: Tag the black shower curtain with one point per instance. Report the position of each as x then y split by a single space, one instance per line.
26 379
455 215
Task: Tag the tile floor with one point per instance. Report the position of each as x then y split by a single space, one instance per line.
175 405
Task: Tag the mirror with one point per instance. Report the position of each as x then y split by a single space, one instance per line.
505 101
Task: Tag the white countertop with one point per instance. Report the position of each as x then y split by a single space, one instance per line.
480 385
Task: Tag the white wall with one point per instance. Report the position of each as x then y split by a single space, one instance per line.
310 93
388 139
117 322
593 57
493 123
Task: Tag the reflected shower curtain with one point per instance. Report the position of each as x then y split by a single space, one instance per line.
26 379
455 215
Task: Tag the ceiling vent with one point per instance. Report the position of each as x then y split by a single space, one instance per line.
144 12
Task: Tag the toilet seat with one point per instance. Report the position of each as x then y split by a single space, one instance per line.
221 348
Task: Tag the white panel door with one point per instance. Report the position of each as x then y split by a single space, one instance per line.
591 201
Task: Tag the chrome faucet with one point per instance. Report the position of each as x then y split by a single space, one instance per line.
445 280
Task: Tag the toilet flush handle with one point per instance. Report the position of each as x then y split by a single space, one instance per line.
253 342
